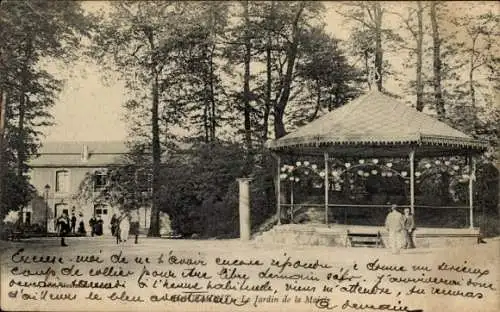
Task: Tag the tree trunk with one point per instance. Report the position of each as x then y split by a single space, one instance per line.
213 117
471 73
279 110
205 120
3 119
154 228
436 41
246 81
23 103
420 36
379 53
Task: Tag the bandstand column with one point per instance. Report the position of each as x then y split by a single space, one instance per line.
412 181
278 188
244 208
472 177
327 186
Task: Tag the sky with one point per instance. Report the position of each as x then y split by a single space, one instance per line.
90 110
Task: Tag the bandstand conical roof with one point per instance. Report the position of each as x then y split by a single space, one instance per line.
376 124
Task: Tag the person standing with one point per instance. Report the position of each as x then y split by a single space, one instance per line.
409 227
63 226
114 224
81 225
394 224
92 223
73 223
134 225
124 227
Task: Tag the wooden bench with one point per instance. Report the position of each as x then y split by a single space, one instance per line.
15 235
364 239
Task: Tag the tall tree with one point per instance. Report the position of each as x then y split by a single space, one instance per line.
142 40
482 47
32 32
413 22
369 34
436 61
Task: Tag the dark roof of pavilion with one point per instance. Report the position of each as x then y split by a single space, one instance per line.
381 125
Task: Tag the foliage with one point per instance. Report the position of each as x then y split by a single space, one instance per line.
31 32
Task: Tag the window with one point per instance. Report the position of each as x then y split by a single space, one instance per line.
62 181
100 210
100 179
144 180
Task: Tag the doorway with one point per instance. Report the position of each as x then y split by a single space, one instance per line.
103 211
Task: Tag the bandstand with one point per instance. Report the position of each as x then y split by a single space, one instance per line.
371 131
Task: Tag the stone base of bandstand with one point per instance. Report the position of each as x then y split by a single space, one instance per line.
336 235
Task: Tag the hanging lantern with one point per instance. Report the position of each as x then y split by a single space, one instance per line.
347 165
407 182
456 168
360 172
437 162
351 181
290 168
314 167
306 163
465 176
298 164
447 163
335 173
366 174
389 165
417 181
283 169
418 174
283 176
427 165
404 173
306 172
361 161
292 178
297 179
374 172
322 173
389 174
375 161
383 174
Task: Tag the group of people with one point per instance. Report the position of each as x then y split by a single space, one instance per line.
121 226
400 228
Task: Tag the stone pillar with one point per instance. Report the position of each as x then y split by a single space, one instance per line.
245 225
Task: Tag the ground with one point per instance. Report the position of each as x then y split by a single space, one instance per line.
474 267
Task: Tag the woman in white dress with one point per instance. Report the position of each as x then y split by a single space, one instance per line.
124 227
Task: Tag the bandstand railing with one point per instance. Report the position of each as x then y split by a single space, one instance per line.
364 214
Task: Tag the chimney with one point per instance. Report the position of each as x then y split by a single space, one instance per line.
85 153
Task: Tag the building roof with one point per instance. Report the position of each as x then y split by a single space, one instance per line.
70 154
95 147
377 124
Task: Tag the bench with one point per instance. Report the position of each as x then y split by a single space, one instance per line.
15 235
364 239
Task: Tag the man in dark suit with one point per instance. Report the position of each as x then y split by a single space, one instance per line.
409 227
63 225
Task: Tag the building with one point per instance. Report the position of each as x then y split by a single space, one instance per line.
57 174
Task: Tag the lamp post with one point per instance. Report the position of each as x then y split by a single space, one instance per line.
46 195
